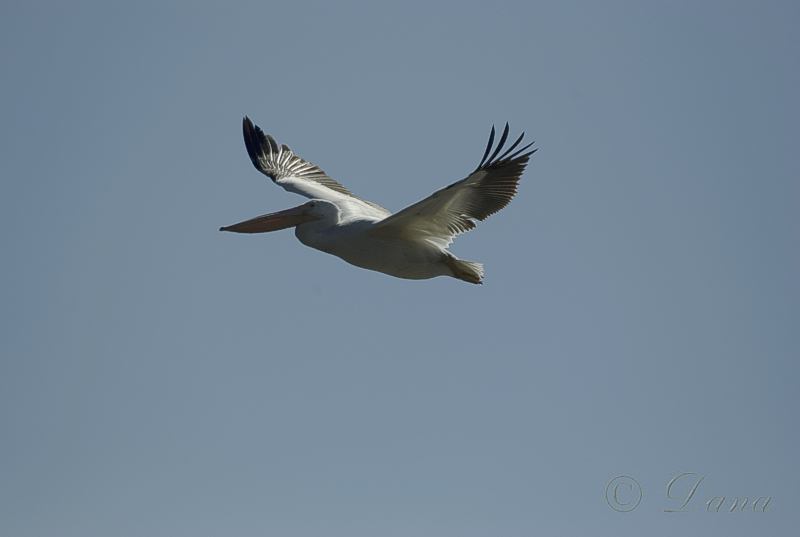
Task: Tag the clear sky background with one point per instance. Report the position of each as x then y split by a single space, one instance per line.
639 316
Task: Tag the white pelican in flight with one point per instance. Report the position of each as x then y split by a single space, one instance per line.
411 243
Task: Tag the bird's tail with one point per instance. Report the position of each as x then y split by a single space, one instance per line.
469 271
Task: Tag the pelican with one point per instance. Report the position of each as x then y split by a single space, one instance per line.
411 243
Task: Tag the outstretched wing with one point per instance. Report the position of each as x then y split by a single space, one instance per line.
455 208
290 171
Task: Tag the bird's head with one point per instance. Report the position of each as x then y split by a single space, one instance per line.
320 210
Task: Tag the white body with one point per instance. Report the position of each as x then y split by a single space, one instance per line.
356 243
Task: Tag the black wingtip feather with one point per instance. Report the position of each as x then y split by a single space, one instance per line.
488 148
520 152
258 145
250 140
500 144
510 149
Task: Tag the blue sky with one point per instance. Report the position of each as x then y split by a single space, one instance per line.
639 315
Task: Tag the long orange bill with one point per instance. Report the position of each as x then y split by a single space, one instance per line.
270 222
